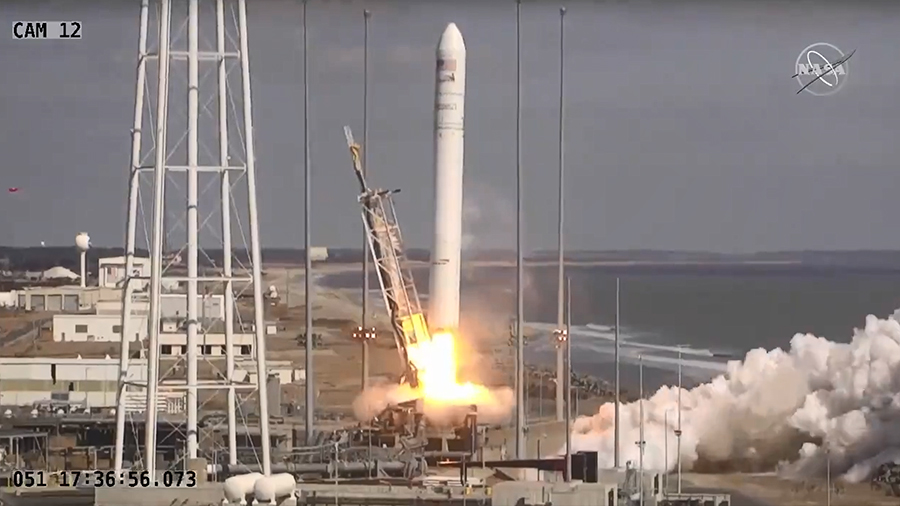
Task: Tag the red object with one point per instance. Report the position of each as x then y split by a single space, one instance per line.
13 190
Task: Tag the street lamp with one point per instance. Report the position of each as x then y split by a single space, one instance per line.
642 442
364 335
560 336
678 430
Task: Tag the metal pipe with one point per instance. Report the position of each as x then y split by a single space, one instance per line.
307 282
560 219
134 182
616 431
156 266
568 379
365 170
329 468
520 341
255 250
225 195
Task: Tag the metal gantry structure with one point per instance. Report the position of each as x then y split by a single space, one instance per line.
391 265
178 145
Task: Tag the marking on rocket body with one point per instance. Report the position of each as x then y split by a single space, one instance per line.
448 64
441 261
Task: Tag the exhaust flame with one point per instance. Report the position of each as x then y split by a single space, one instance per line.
436 362
439 388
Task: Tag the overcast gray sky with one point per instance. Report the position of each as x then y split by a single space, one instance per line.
683 127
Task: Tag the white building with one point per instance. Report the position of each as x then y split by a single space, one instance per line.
318 254
67 299
99 328
107 328
210 345
87 382
172 305
92 383
111 272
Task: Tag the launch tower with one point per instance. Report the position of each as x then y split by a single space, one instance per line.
193 139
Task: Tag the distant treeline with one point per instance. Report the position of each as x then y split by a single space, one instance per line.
41 258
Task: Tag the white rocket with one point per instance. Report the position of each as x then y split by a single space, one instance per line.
449 115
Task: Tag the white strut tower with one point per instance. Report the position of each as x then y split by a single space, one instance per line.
449 118
211 84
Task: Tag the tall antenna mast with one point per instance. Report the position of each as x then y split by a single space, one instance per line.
520 340
180 53
561 219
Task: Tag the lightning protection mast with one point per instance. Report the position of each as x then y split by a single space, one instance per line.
189 165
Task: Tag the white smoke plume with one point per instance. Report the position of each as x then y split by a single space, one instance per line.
775 410
495 408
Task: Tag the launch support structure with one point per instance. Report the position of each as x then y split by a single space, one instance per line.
158 156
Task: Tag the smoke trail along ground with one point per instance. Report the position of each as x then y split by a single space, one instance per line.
775 410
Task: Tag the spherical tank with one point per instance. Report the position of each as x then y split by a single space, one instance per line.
237 488
269 488
83 241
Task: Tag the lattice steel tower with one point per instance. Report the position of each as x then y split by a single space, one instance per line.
195 61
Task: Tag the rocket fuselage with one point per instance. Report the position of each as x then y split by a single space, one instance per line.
449 115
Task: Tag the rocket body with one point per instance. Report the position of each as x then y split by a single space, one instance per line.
449 115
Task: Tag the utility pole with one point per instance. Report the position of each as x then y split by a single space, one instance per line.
365 170
561 218
678 431
828 475
568 379
520 341
641 443
310 337
617 432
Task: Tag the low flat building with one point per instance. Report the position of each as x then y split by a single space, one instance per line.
210 345
92 383
111 272
107 328
171 305
62 299
100 328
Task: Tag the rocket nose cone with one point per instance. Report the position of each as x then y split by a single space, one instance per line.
451 39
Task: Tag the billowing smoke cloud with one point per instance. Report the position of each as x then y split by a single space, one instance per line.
495 408
775 410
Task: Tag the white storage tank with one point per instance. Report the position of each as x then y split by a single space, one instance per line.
238 488
277 486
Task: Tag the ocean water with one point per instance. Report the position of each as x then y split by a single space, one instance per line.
717 314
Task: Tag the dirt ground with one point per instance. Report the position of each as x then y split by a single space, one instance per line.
780 492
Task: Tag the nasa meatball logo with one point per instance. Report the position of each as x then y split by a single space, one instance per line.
821 69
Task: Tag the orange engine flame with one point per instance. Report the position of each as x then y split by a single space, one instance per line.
437 365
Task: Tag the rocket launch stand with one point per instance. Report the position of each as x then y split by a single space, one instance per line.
391 264
176 60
